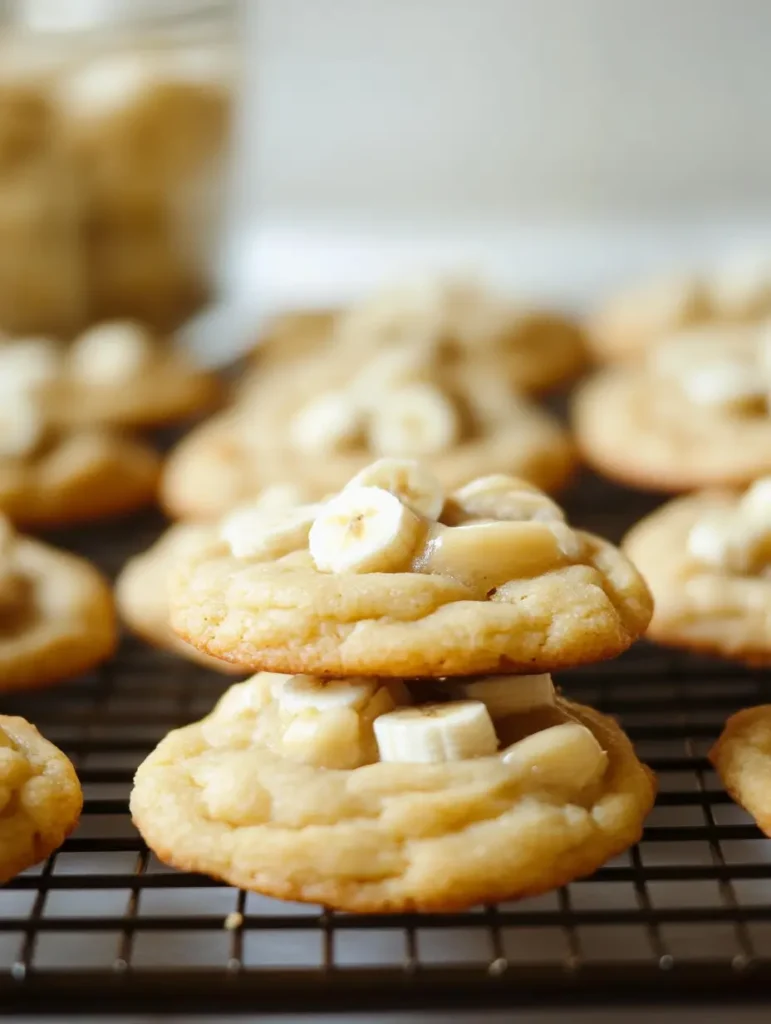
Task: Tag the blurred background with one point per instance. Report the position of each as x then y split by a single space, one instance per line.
269 153
560 145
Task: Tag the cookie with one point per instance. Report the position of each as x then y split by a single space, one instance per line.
646 313
706 559
322 422
56 613
52 477
347 794
115 374
531 350
742 759
40 797
392 576
694 414
142 598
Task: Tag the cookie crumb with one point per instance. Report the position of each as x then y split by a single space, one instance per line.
234 920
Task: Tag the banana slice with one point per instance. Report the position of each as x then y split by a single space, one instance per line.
484 555
302 693
22 426
566 757
509 695
432 733
111 353
414 420
280 497
253 695
29 364
256 533
329 423
408 480
501 496
364 529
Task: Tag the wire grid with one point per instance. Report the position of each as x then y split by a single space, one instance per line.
103 926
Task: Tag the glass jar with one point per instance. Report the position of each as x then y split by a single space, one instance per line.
114 122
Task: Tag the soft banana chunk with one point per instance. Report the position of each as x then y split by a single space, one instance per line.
329 723
409 480
253 532
364 529
501 496
565 757
509 695
332 422
303 693
111 352
432 733
251 696
485 555
414 420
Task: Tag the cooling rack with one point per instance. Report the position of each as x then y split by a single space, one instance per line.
103 927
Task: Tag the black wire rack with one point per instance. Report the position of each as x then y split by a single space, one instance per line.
103 927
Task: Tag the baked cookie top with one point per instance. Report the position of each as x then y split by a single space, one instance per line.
742 759
56 613
115 373
707 560
351 794
694 414
647 312
395 576
53 475
40 797
324 421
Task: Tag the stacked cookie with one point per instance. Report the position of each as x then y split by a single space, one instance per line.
421 758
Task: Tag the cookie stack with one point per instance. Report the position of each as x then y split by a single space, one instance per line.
401 745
